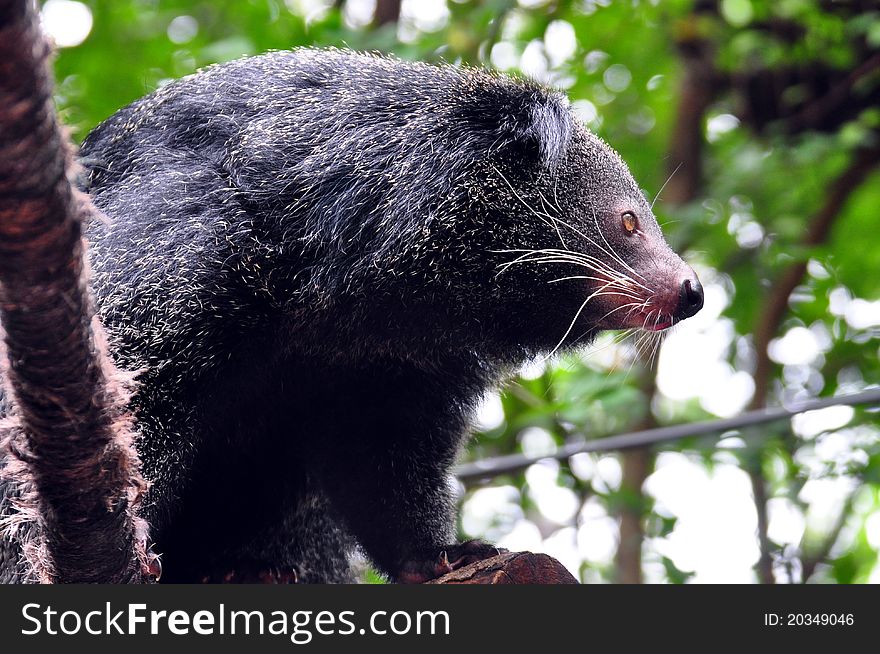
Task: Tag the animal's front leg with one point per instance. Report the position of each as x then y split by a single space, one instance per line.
398 504
388 477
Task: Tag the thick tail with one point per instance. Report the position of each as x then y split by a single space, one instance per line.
70 470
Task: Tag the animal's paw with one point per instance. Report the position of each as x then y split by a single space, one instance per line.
440 561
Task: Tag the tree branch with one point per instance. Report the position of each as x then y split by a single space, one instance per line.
818 230
774 311
637 465
387 12
510 568
699 86
810 563
818 113
764 567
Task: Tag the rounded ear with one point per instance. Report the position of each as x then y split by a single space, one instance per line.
515 119
539 127
550 129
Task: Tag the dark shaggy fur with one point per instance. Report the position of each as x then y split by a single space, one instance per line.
304 261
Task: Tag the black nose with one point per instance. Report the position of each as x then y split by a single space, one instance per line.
690 298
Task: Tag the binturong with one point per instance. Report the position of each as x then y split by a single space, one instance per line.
316 263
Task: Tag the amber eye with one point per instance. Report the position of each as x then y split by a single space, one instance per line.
630 222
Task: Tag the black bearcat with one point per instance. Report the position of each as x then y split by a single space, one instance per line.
317 262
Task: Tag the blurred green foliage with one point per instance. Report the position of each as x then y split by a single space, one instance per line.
621 64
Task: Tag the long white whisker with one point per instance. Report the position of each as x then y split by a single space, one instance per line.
519 197
615 309
647 318
643 305
656 351
620 292
617 339
549 204
668 179
577 315
574 257
553 256
555 221
543 216
562 260
610 249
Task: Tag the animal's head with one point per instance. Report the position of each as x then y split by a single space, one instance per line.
583 251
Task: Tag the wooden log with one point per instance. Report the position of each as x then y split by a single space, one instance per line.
510 568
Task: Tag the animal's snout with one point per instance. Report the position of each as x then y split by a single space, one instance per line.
690 298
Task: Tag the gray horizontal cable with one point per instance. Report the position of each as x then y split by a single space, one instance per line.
514 462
